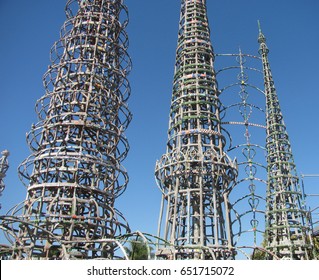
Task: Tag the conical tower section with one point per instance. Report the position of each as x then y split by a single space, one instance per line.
286 219
195 174
74 174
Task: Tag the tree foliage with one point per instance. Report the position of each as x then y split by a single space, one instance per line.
138 250
258 254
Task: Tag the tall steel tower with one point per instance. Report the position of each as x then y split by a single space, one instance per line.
4 166
74 174
287 229
195 175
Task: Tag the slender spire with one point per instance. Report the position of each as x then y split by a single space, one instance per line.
261 36
286 218
195 175
259 27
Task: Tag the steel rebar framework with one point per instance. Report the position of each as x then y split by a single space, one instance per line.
311 197
4 166
195 175
287 227
243 116
74 174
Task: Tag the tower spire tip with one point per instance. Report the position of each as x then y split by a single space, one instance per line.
261 37
259 26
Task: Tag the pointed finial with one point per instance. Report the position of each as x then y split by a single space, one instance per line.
5 153
259 26
261 37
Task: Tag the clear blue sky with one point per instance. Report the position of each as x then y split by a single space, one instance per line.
28 29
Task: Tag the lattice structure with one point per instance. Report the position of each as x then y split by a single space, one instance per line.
195 175
243 115
309 184
74 174
287 228
4 166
